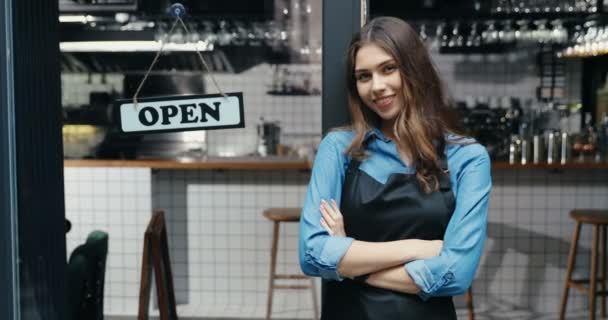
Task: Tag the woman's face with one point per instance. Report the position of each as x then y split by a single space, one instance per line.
379 81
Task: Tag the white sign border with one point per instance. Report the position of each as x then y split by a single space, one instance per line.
238 95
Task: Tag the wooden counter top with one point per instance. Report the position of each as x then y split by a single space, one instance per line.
554 166
281 163
214 163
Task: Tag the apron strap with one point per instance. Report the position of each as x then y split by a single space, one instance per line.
354 163
444 181
443 162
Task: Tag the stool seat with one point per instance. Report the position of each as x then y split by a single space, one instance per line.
592 216
283 214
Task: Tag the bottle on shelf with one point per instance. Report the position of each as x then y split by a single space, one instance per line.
514 149
601 106
589 140
602 139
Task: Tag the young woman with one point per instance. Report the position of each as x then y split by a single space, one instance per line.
394 219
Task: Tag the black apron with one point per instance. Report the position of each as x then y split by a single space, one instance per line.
379 212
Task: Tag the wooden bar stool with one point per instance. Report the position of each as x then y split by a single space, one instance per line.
278 215
468 298
599 220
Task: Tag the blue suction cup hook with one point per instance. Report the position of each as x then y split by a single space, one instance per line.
177 10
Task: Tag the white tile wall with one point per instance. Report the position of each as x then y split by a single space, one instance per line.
529 232
117 201
75 87
220 242
299 116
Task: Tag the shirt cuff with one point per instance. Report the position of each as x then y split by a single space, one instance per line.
425 279
335 248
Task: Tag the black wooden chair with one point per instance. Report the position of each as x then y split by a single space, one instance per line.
86 275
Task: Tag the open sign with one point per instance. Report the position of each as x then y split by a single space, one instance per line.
182 113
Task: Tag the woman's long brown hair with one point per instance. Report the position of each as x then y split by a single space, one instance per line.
424 120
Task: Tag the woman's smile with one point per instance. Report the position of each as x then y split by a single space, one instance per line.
384 102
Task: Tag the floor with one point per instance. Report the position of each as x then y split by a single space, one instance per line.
462 314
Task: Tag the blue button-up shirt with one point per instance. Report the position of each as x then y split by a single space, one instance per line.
448 274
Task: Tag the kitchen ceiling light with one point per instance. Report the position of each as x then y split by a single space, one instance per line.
73 19
132 46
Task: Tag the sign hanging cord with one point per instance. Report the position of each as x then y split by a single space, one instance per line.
141 84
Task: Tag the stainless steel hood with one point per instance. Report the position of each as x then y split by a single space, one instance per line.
138 62
98 44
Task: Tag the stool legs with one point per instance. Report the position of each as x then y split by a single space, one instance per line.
468 298
273 275
571 259
593 280
315 304
273 268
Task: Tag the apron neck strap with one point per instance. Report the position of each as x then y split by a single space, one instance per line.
354 163
443 162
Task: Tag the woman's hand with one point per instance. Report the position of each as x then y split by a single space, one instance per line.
331 218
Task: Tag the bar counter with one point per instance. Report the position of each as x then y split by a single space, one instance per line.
211 163
220 242
281 163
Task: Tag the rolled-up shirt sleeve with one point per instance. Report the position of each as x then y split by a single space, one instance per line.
320 253
452 272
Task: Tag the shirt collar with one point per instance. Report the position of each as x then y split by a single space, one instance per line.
374 132
377 133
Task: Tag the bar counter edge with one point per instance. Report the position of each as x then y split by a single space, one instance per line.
285 164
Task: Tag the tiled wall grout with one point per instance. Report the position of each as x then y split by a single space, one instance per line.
220 252
220 242
90 205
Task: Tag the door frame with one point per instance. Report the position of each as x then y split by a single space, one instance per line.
9 272
341 19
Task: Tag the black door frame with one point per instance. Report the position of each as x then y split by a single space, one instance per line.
9 273
341 19
32 213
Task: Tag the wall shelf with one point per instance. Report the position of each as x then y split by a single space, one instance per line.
72 7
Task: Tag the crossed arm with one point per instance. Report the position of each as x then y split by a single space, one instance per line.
437 268
382 261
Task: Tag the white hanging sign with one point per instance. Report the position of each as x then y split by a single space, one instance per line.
182 113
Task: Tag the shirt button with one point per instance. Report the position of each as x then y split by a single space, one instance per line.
449 276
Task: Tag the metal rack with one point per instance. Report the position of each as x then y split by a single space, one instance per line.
68 6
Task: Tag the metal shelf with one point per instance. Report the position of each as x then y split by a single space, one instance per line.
70 7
